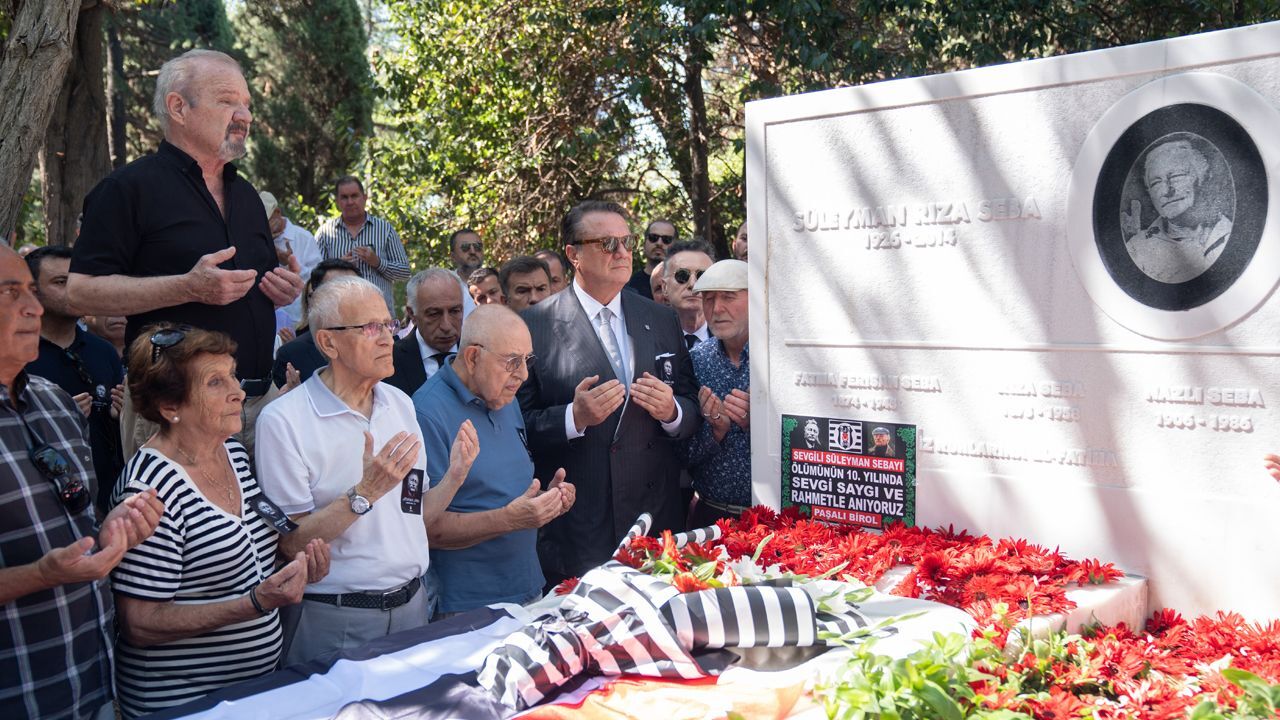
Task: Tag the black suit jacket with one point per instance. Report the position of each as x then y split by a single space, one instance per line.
627 464
407 358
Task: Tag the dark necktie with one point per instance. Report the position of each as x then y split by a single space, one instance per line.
690 339
440 359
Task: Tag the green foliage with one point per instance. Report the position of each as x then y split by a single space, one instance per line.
151 32
1260 701
313 100
500 115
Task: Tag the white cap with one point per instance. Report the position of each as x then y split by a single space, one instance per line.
726 275
268 202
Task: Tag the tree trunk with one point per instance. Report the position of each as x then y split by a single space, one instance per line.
117 86
75 155
35 61
700 187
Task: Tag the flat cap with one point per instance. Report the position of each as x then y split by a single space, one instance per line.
726 275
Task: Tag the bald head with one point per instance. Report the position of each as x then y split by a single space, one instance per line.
495 351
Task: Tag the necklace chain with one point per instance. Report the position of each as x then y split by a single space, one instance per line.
191 460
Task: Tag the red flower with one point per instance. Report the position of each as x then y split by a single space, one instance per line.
566 586
687 582
1058 706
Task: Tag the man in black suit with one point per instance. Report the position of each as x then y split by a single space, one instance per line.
610 392
434 302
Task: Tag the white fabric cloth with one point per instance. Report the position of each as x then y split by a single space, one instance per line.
307 251
310 451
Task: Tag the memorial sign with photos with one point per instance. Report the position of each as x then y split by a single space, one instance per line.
1063 273
849 472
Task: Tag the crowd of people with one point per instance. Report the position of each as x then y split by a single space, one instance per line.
225 449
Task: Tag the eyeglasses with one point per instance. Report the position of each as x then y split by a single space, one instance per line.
471 247
682 275
512 362
165 339
371 329
610 244
656 238
55 468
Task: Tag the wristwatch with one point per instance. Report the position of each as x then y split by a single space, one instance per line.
359 503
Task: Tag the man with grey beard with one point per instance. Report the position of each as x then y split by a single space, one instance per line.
179 236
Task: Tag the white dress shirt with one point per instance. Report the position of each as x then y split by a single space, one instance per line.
429 364
619 323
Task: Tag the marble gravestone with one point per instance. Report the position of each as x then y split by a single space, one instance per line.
1063 273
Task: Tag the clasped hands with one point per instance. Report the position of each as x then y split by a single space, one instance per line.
734 408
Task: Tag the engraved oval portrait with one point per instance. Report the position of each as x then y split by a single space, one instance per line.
1179 207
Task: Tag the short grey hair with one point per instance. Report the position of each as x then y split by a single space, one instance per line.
177 75
484 321
324 310
415 282
1195 159
694 245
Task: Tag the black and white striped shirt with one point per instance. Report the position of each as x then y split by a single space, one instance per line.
336 242
198 554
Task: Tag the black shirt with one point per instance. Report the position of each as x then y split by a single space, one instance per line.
155 217
89 364
639 283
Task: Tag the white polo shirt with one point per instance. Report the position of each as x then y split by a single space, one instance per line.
310 451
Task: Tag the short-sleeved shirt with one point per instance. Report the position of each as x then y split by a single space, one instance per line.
155 217
198 554
505 568
310 451
55 644
89 365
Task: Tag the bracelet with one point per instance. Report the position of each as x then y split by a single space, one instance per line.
253 598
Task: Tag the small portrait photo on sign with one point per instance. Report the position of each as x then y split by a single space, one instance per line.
882 444
1180 205
810 434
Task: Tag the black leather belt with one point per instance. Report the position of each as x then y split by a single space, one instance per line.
256 387
371 600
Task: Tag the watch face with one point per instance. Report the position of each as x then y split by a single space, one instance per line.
359 505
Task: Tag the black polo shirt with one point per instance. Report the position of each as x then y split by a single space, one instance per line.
89 364
155 217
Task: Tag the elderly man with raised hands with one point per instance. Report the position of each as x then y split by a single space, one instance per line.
56 634
179 236
341 455
484 548
719 456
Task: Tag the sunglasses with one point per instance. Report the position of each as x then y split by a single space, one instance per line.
371 329
610 244
164 339
656 238
682 275
471 247
512 362
55 468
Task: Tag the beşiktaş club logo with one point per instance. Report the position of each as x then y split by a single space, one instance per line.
845 436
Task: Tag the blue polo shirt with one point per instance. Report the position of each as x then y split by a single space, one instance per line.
504 569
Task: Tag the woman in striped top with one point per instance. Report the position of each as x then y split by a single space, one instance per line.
197 601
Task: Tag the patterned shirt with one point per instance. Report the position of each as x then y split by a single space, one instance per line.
721 471
55 648
336 242
199 554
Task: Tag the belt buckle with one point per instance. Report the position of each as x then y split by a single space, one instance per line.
386 598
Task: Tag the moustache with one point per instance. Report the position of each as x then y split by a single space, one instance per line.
237 127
